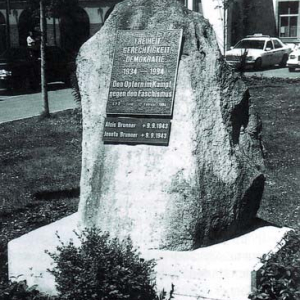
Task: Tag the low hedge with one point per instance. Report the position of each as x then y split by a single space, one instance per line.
279 277
100 268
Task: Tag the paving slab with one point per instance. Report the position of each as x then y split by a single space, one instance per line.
218 272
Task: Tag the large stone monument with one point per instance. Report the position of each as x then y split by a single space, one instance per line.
171 144
171 156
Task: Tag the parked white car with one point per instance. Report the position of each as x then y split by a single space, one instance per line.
294 60
258 51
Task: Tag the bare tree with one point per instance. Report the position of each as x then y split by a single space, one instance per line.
46 112
224 5
46 8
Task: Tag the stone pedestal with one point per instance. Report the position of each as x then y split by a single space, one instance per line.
27 259
221 271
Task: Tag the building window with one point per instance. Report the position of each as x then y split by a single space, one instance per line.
197 6
288 18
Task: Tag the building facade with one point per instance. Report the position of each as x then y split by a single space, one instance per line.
279 18
242 17
247 17
70 30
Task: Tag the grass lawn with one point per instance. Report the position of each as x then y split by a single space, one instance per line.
40 163
277 102
38 157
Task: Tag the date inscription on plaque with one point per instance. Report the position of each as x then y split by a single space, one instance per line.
136 131
144 72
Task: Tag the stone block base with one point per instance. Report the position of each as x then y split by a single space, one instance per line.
221 271
27 259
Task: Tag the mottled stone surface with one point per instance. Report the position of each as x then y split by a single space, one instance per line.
208 182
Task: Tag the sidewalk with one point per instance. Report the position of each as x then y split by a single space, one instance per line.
274 72
29 105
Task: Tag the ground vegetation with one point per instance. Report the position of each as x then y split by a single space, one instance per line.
40 161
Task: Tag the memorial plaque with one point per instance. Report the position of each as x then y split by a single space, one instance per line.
136 131
144 72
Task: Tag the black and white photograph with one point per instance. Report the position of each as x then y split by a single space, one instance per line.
149 149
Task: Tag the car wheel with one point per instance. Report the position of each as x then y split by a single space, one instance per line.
21 84
25 84
257 64
284 59
291 69
34 83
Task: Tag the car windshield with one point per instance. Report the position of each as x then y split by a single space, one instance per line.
250 44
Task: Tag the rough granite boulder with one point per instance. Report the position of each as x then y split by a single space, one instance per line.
207 184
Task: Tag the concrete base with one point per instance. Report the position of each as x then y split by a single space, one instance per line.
221 271
27 258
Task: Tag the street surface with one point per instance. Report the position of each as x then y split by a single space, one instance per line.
274 72
14 107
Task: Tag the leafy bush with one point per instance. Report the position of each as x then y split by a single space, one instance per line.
21 291
102 268
280 275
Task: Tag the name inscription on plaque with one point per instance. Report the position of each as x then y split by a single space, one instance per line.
137 130
144 73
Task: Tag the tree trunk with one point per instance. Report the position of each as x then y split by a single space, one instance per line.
7 24
46 112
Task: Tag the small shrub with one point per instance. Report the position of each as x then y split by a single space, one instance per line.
21 291
242 66
280 275
102 268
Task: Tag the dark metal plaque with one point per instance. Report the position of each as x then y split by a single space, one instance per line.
144 72
136 131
